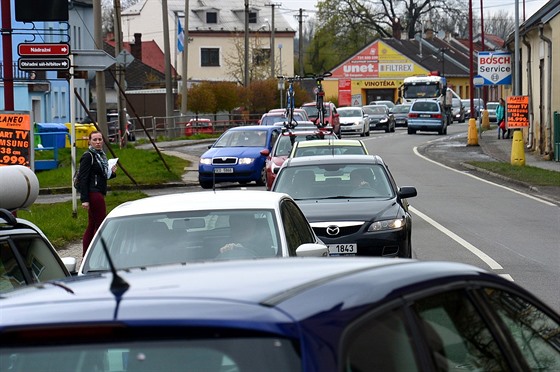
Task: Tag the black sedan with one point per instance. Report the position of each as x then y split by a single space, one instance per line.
352 202
380 117
297 315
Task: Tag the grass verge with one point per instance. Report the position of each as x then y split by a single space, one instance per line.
57 222
532 175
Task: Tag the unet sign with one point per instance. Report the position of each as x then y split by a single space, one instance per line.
495 67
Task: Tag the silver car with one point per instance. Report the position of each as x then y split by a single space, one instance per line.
353 120
426 115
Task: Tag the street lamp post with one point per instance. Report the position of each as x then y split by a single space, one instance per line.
281 84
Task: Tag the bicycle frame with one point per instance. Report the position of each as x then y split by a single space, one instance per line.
320 97
291 123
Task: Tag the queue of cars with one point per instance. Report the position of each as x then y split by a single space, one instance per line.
151 301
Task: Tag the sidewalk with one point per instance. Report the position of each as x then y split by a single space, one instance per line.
500 149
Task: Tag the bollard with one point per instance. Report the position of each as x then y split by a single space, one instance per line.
485 119
472 136
517 149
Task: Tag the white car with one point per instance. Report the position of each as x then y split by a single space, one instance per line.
201 226
353 120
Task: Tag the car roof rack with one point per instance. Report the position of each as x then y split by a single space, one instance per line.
7 217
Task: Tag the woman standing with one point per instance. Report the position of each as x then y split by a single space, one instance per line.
93 175
500 118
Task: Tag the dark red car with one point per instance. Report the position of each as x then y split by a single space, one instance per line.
195 126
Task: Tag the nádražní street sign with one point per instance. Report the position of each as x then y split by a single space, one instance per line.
43 49
495 67
32 64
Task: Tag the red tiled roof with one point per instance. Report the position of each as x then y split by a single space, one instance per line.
152 55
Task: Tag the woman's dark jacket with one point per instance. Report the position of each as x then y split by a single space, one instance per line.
92 177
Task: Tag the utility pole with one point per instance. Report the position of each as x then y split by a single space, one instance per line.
8 74
300 51
166 48
246 67
272 40
184 60
101 107
120 74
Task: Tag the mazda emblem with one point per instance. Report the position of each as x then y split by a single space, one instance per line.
333 230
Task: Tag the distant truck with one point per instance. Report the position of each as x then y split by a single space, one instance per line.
432 86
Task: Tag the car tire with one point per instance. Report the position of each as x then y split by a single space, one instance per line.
411 131
388 129
205 184
262 179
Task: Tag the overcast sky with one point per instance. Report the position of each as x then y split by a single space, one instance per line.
290 7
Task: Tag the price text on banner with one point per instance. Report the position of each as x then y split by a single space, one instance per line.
517 111
15 139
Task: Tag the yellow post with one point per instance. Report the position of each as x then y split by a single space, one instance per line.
472 136
485 119
517 149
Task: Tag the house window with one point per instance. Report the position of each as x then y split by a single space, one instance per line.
210 57
261 57
252 17
211 17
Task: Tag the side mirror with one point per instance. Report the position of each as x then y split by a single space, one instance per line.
312 250
407 192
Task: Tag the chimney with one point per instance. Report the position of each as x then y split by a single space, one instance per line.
397 28
428 34
136 47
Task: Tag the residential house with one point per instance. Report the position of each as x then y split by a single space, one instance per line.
216 37
46 94
539 56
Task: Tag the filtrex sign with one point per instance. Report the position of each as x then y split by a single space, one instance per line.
495 67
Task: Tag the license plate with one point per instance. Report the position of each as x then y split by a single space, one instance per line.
342 249
223 170
425 115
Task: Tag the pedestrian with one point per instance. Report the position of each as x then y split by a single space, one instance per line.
93 175
501 119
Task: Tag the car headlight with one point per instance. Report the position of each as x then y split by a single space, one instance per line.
392 224
206 161
246 161
384 120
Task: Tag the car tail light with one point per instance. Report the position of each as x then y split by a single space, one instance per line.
436 116
412 115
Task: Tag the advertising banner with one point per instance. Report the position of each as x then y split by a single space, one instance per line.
495 67
517 112
15 138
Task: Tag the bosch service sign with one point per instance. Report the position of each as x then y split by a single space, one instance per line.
495 67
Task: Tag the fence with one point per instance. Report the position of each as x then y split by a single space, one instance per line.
174 127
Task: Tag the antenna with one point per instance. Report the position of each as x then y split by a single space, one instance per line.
118 285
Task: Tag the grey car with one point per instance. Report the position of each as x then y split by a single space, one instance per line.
400 113
380 118
427 115
458 110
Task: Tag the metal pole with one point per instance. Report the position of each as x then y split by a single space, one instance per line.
101 108
272 46
73 137
166 48
300 51
246 67
8 74
120 74
184 60
516 82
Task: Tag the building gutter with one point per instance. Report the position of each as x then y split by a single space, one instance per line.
548 144
530 93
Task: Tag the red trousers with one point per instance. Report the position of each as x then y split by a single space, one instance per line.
96 214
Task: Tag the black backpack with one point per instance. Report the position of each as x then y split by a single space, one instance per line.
76 178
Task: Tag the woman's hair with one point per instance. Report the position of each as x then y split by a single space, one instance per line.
92 133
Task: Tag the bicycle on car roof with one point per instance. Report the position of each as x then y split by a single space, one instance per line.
320 96
290 123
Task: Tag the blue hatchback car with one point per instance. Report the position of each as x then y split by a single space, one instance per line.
239 155
293 314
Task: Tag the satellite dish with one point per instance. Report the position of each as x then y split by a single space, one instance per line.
441 34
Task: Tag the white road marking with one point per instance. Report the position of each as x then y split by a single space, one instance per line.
477 252
483 180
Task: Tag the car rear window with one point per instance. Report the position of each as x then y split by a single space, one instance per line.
425 106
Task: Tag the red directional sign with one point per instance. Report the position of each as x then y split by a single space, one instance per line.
42 50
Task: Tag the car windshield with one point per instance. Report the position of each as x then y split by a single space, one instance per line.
350 113
326 181
429 106
215 352
401 109
242 138
312 111
420 90
329 150
492 105
176 237
379 110
284 144
274 119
